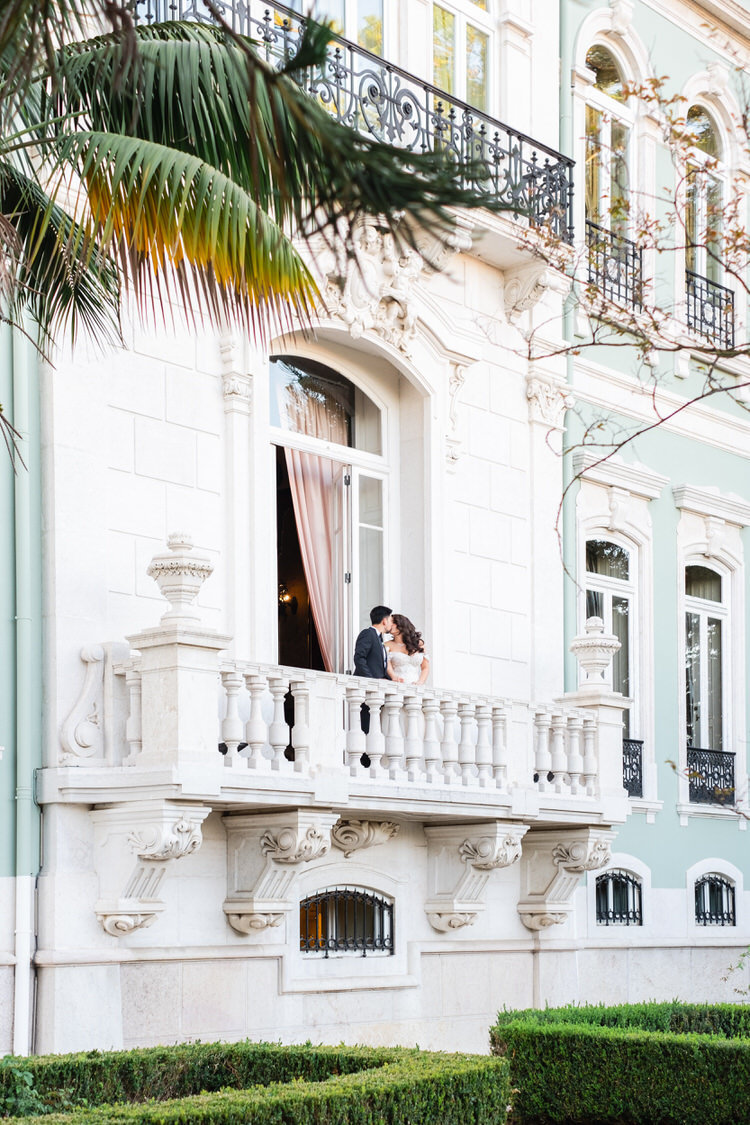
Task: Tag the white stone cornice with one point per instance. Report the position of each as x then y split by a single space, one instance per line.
613 472
712 503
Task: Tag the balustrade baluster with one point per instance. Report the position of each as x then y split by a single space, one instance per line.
301 728
232 727
589 753
484 749
432 762
413 739
500 746
466 745
375 739
394 738
449 746
558 762
278 730
134 724
255 728
355 739
575 761
542 758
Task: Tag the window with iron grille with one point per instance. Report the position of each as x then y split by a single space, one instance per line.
618 900
346 920
714 901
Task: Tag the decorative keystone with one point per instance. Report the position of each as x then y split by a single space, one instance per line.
179 576
594 650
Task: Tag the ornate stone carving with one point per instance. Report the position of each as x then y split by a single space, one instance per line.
594 650
117 924
81 735
622 16
582 855
524 287
445 923
254 922
179 576
373 291
350 836
289 846
487 853
542 921
236 386
548 401
163 842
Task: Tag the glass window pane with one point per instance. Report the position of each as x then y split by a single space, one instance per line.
444 49
309 398
371 501
619 176
593 164
608 78
713 229
370 25
603 557
480 4
333 11
702 582
476 67
715 731
370 572
594 604
621 661
367 424
691 220
704 132
692 679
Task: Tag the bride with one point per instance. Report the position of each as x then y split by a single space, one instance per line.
407 661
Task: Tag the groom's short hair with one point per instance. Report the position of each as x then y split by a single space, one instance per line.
378 613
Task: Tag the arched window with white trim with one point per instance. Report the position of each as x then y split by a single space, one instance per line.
610 594
619 899
715 903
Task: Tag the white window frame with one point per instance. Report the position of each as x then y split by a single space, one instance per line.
704 608
465 12
619 934
616 587
708 167
611 109
716 935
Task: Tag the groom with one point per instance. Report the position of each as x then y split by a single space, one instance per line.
370 656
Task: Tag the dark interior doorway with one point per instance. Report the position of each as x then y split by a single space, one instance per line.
298 639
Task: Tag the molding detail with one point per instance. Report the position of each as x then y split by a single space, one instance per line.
594 650
710 502
289 846
548 401
167 842
613 472
81 734
179 576
254 923
525 286
582 855
456 381
350 836
552 864
459 868
542 921
118 924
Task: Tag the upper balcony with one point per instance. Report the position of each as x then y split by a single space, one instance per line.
382 101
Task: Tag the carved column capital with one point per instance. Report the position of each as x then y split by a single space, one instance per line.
548 400
238 392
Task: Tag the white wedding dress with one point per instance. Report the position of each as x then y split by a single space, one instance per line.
408 668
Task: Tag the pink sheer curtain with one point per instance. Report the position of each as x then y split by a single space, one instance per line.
313 483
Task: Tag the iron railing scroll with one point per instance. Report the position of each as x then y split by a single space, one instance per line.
710 776
615 266
632 766
618 899
383 101
710 309
715 902
346 920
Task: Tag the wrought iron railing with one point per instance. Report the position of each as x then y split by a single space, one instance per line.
632 766
710 309
618 899
714 902
382 100
710 776
346 920
615 266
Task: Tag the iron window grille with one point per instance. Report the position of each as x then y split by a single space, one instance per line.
710 776
710 309
615 266
346 920
618 899
383 101
714 902
632 766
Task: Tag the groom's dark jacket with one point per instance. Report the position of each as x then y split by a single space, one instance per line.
370 655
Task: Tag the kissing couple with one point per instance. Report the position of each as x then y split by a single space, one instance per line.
402 658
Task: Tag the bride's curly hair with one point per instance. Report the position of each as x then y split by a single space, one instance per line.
410 638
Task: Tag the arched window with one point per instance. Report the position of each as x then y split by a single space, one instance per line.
614 261
610 594
618 899
346 920
714 901
331 502
709 304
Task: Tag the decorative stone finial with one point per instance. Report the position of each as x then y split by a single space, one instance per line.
594 650
179 576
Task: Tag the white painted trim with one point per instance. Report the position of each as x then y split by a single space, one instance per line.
636 478
715 866
712 502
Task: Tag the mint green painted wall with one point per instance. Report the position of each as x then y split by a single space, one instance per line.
20 684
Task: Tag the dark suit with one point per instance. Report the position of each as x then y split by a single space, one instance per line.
370 658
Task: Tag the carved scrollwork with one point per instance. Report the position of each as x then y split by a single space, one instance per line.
543 920
487 854
81 735
254 922
350 836
288 846
162 842
444 923
582 855
118 924
548 401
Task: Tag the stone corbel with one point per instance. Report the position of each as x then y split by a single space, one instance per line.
460 863
82 733
264 852
552 865
525 286
350 836
134 845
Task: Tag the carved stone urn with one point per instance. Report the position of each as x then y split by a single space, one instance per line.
179 575
594 650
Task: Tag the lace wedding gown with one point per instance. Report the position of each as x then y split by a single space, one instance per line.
409 668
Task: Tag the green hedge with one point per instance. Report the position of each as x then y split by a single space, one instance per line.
266 1083
638 1064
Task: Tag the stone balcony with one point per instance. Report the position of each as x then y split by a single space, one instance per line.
168 730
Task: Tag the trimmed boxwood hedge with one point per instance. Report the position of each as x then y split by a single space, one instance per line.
224 1084
634 1064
